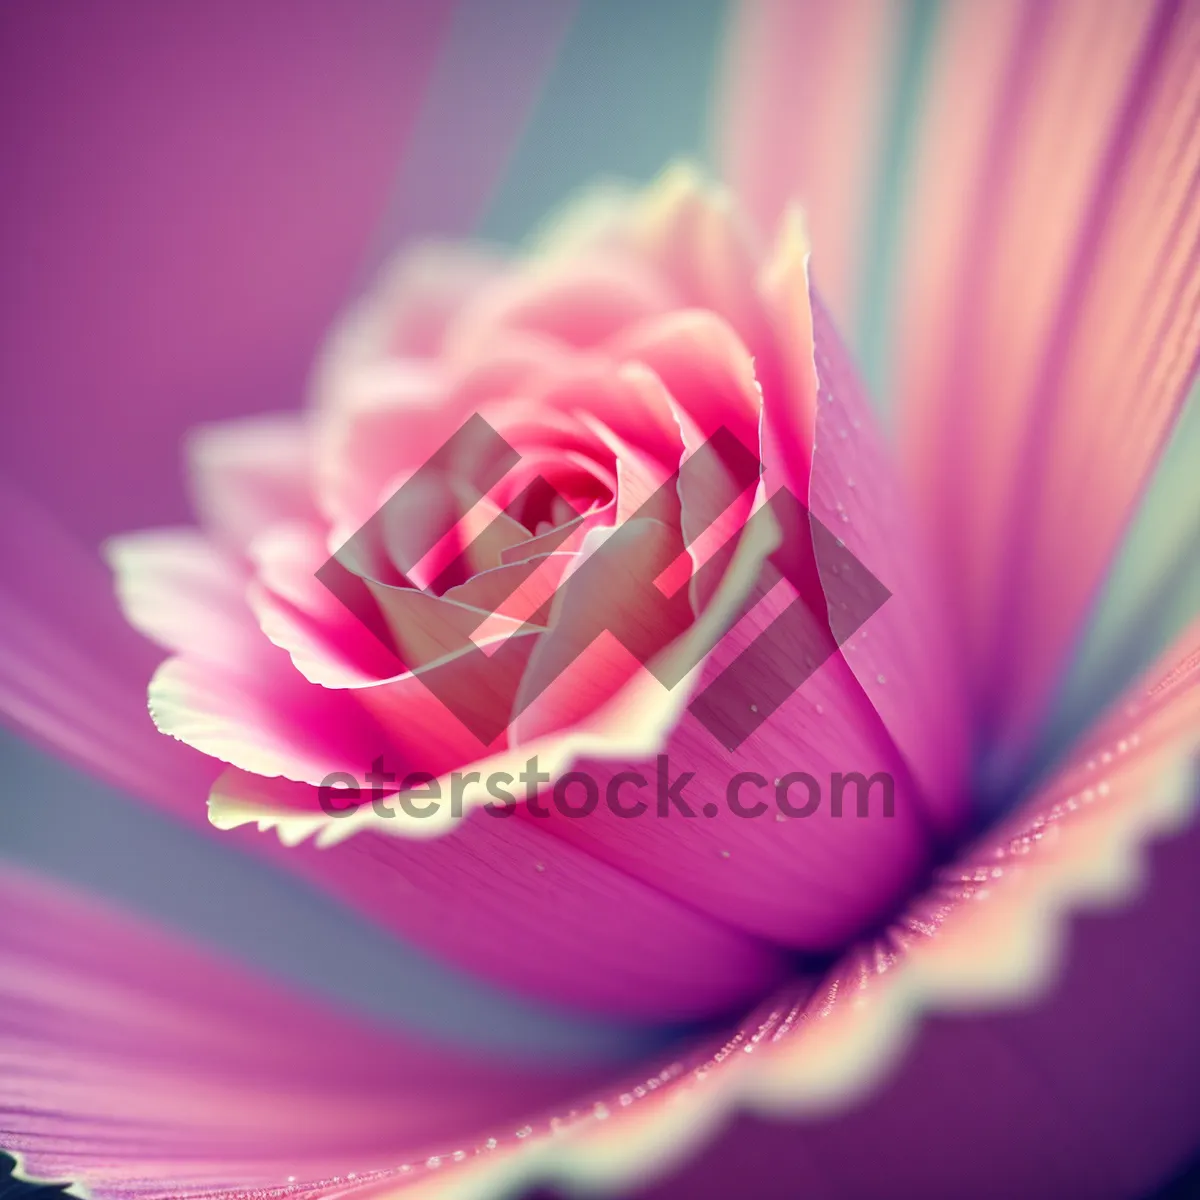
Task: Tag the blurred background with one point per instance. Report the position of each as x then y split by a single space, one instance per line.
192 191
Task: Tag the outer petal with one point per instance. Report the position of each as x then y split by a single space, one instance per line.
140 1066
503 898
73 673
246 475
809 882
1053 279
804 118
264 717
903 659
1153 590
405 315
184 593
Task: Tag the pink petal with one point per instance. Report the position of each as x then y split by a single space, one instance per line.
183 592
504 898
639 477
517 590
389 418
1153 587
600 631
592 387
136 1064
903 657
407 312
249 474
264 717
328 644
803 122
694 235
805 882
1052 260
73 673
790 406
453 710
580 303
704 366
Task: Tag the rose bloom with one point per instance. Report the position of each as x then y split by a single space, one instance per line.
442 568
605 362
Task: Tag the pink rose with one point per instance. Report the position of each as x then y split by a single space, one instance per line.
517 453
